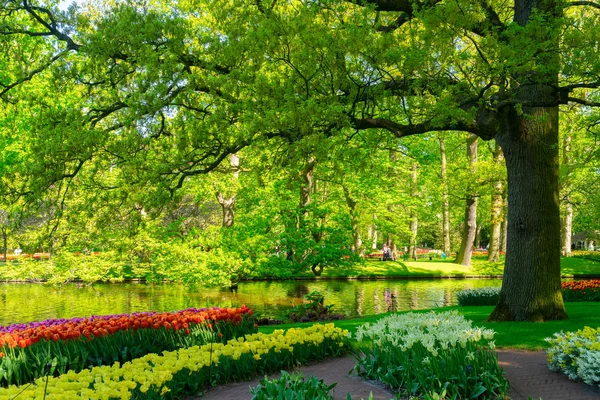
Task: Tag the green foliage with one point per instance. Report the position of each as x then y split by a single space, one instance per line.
478 297
314 310
292 387
576 354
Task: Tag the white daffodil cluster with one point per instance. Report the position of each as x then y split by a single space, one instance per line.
153 373
577 354
427 354
434 331
487 296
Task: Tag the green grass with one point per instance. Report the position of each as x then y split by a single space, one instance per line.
445 268
570 266
514 335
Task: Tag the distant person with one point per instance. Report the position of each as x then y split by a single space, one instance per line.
592 245
386 252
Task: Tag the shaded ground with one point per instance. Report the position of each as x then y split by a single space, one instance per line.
526 371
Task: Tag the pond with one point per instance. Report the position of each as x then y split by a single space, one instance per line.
36 302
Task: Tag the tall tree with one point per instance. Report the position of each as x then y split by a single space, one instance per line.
414 216
496 207
179 91
470 222
445 195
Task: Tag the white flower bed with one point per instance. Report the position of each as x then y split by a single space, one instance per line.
487 296
431 354
577 354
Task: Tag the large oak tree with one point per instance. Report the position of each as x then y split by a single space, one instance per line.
167 92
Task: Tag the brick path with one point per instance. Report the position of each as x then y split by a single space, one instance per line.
527 372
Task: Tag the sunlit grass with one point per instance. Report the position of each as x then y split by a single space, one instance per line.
514 335
446 268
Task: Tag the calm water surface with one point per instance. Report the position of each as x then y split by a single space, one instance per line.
36 302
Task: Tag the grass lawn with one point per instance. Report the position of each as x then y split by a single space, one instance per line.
439 268
515 335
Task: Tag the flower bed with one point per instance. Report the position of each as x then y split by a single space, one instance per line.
576 354
186 371
478 297
78 343
583 290
435 355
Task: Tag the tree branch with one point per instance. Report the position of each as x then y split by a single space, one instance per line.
583 3
30 76
584 102
71 45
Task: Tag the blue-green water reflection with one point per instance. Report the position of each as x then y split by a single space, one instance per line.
35 302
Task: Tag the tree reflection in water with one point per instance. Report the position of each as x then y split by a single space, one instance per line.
36 302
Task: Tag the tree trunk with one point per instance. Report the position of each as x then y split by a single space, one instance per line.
504 227
470 226
567 230
496 211
478 236
356 238
5 239
446 202
306 186
374 228
567 226
414 218
531 287
228 203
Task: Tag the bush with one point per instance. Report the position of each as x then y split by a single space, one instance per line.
431 355
576 354
292 387
314 310
478 297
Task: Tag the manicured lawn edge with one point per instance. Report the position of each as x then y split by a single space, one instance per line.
509 335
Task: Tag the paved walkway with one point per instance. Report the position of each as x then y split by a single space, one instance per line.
527 372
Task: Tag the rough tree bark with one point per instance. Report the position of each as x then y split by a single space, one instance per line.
496 209
445 201
531 286
470 225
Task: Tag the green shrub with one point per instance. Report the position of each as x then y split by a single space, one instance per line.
292 387
576 354
314 310
478 297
